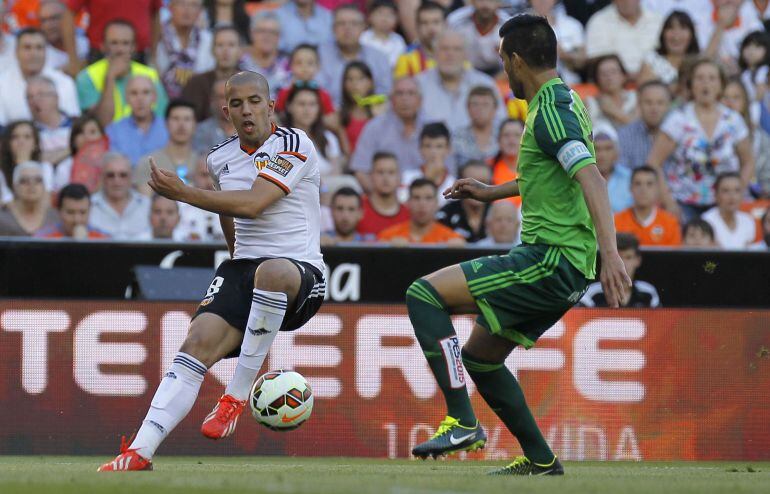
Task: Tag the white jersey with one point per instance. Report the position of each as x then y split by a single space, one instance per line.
290 227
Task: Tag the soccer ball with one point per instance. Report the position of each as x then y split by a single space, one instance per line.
281 400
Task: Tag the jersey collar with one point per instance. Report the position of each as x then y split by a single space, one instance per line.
550 83
251 151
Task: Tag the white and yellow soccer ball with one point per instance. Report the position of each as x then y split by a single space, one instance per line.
281 400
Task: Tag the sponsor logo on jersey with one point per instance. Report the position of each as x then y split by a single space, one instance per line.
261 160
279 165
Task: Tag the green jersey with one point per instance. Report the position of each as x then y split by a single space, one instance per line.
556 145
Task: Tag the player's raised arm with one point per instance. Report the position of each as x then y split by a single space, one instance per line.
469 188
615 280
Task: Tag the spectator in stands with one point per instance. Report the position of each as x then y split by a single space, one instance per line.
396 131
197 224
184 48
30 208
505 164
178 155
383 19
698 234
583 10
87 139
698 157
231 14
117 209
431 21
729 23
467 216
571 39
422 227
435 148
227 55
637 137
764 243
103 85
736 97
349 24
303 111
677 41
651 225
502 225
29 63
164 218
20 143
142 131
263 55
217 127
640 295
617 175
625 28
303 21
754 62
52 124
346 214
359 103
305 65
51 13
381 208
479 23
733 229
74 205
478 141
445 88
613 104
143 15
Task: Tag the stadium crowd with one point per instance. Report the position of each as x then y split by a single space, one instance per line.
400 98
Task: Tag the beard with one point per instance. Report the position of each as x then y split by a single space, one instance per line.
517 87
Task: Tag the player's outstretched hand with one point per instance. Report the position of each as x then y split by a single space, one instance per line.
165 182
469 188
615 280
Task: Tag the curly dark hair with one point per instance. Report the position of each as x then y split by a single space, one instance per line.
7 159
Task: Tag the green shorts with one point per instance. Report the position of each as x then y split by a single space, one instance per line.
525 292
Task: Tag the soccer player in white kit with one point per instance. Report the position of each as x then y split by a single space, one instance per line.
267 197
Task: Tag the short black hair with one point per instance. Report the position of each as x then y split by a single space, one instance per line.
699 224
434 130
303 46
379 4
593 70
178 103
72 191
157 197
724 176
383 155
27 31
627 241
644 169
119 22
225 28
651 84
530 37
346 192
422 182
473 163
427 6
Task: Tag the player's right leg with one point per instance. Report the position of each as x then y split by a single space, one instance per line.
430 301
209 340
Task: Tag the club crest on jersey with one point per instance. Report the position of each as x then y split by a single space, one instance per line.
261 160
279 165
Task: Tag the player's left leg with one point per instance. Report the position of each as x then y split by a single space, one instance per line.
276 285
430 301
484 357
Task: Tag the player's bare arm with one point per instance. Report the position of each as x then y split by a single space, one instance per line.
235 203
615 280
469 188
228 229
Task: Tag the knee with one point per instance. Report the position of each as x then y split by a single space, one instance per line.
277 275
421 290
475 364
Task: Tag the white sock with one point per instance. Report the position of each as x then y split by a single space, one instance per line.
265 318
172 402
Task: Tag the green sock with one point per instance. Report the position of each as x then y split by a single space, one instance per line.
439 343
503 394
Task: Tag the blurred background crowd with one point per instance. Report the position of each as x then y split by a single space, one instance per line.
400 99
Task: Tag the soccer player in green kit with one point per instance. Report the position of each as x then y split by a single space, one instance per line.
518 296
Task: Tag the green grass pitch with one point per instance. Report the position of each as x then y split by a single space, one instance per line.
282 475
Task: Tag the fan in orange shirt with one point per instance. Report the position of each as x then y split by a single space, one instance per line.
651 225
505 164
422 227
